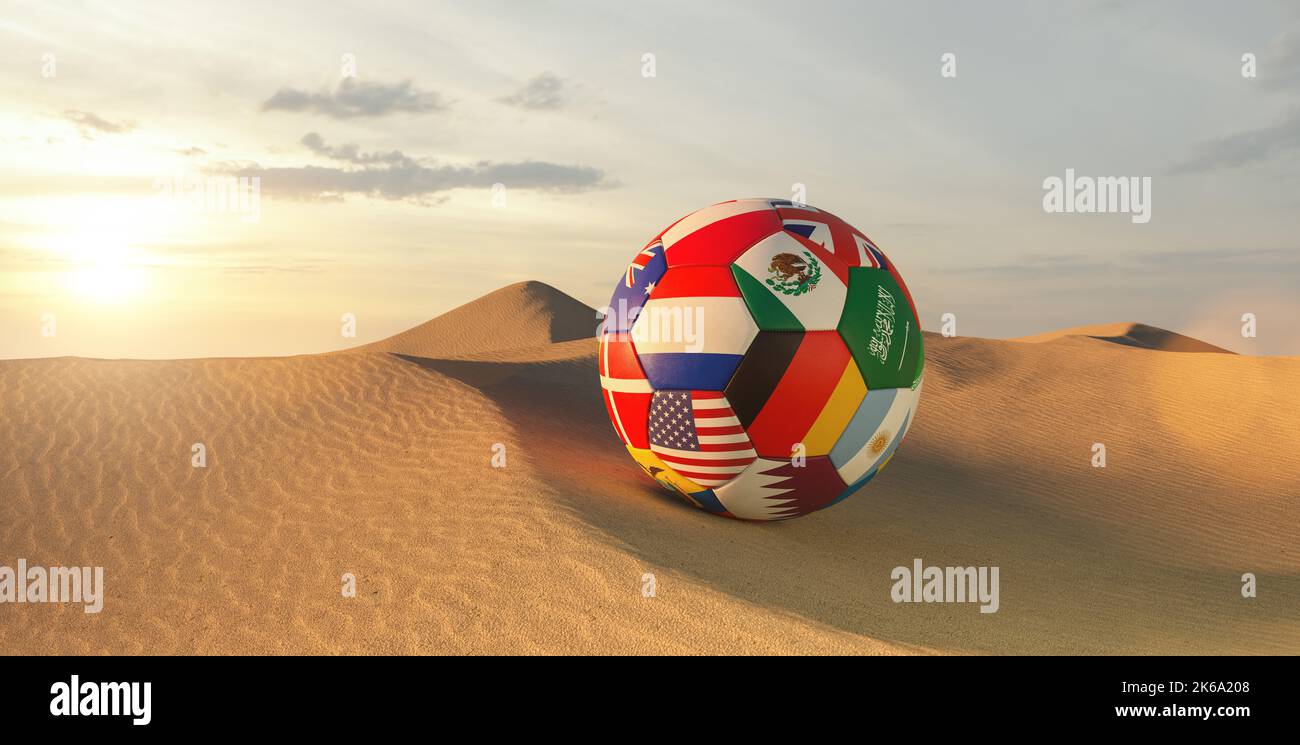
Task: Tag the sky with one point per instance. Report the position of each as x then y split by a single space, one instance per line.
411 157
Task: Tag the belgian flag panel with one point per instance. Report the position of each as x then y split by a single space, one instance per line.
761 371
792 385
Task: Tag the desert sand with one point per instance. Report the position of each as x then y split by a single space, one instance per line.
377 462
1133 335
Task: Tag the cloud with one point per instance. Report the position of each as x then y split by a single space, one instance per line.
351 153
89 122
397 176
1279 69
1246 147
1279 66
357 99
544 92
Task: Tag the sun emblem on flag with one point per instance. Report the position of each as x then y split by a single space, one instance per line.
878 443
794 275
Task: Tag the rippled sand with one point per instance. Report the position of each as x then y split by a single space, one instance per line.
377 462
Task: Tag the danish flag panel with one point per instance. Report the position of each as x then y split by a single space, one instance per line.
625 389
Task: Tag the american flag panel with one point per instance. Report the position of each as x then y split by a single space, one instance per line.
698 435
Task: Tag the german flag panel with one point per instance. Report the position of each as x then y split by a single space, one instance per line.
795 388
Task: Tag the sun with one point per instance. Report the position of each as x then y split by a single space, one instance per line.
106 283
102 249
101 268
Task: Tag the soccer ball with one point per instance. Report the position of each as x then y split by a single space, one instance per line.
761 358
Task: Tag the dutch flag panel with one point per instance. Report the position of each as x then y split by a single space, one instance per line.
694 330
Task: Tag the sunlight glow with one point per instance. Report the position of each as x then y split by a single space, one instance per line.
100 245
105 273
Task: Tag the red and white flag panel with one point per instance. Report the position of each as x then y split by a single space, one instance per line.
715 236
625 389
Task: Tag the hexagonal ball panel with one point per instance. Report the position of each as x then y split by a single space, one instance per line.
795 387
716 235
791 284
880 329
696 434
693 331
776 489
874 433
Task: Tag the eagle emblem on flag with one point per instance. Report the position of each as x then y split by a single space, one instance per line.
791 274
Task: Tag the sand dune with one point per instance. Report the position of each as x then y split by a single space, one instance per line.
376 461
519 316
1130 335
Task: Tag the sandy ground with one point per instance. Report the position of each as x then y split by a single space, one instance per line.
377 462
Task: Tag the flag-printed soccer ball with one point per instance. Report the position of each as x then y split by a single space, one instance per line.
761 358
